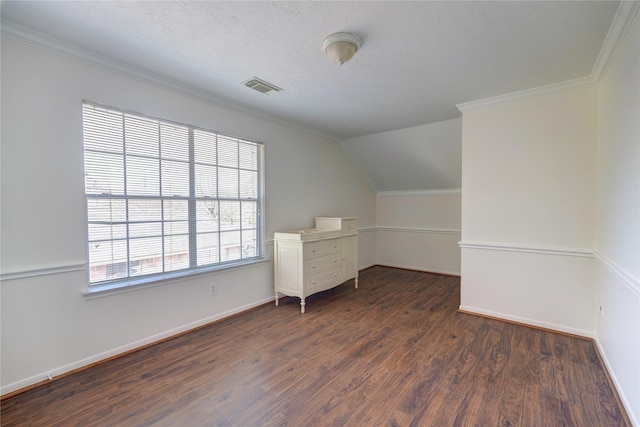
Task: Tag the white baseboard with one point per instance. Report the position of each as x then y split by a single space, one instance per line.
531 322
364 267
587 334
425 270
617 385
9 388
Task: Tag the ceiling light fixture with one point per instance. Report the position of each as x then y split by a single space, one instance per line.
340 47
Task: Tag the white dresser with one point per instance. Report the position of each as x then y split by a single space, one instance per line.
316 259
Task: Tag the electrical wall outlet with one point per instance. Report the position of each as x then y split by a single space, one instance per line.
601 312
213 289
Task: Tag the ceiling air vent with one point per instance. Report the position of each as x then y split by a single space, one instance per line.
261 86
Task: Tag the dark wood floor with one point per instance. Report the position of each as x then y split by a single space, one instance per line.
394 352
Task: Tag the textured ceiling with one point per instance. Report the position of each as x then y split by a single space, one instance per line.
418 59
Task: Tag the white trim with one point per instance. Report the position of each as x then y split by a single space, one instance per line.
526 249
619 26
625 278
98 291
365 266
44 271
128 347
621 22
420 230
414 193
358 164
367 229
531 322
39 40
527 93
411 230
625 402
424 270
72 268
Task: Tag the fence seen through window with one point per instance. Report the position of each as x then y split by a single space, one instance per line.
165 197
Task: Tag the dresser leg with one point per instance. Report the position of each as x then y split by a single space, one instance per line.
276 299
302 304
356 283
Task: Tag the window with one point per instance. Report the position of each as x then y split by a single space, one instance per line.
167 198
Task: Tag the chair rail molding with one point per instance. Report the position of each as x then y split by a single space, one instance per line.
526 249
629 281
416 193
420 230
43 271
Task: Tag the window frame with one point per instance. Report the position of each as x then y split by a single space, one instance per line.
130 282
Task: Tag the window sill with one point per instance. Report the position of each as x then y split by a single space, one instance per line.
99 291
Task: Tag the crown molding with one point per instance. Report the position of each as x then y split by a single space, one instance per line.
414 193
34 38
527 93
619 25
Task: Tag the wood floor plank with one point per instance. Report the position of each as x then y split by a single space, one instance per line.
394 352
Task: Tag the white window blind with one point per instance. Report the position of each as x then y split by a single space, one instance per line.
165 197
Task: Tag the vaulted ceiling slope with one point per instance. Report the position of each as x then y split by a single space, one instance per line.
417 60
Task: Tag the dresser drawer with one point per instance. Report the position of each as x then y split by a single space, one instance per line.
323 281
325 247
316 264
315 259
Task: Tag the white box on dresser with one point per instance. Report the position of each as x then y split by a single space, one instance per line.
346 225
316 259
